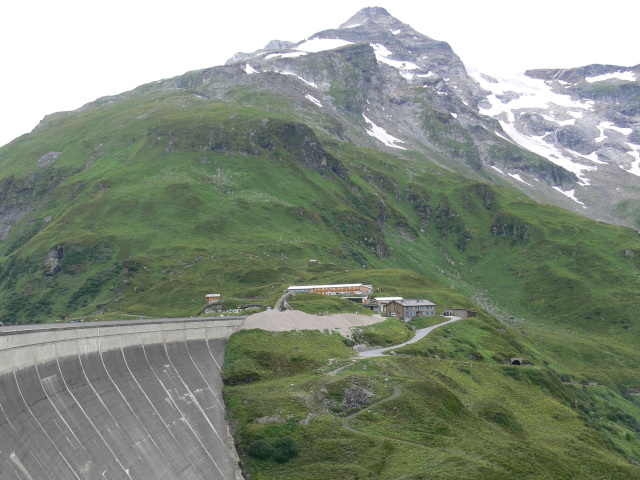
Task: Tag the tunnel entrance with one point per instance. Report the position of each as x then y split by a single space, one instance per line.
517 361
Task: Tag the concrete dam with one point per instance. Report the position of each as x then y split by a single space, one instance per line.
126 401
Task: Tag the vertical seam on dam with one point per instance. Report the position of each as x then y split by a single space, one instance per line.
158 413
193 397
13 457
44 389
41 427
89 420
121 395
203 377
184 419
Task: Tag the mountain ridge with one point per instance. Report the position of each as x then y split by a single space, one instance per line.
359 28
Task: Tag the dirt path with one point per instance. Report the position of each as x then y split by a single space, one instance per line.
345 421
397 391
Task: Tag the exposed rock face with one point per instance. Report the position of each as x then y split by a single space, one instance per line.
278 45
48 158
9 217
582 140
52 262
356 396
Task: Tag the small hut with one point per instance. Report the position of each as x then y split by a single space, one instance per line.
213 298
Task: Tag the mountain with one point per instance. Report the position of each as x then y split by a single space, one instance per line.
584 121
373 151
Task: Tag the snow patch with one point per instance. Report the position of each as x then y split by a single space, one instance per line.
382 54
382 135
285 55
497 169
602 136
321 44
311 84
538 145
353 26
635 153
627 76
570 194
396 32
454 115
313 99
518 178
611 126
531 93
248 69
593 156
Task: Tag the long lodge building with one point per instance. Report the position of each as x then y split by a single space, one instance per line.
336 289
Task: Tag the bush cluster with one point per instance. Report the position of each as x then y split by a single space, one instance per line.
282 450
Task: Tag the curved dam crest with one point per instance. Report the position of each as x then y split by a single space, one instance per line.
130 401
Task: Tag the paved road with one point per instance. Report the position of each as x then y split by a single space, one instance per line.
420 334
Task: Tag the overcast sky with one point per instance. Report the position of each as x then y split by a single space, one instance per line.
59 55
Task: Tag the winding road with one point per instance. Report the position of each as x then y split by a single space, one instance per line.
420 334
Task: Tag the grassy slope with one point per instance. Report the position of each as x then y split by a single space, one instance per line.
162 198
449 419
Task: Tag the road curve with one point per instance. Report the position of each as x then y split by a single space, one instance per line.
420 334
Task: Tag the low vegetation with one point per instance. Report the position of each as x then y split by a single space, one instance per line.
420 415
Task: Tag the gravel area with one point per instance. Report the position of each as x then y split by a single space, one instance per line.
296 320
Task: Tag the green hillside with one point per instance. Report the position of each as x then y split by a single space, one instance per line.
155 200
446 417
142 205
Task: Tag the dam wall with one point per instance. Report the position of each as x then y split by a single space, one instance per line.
133 400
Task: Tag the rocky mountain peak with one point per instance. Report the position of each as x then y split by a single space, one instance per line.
370 15
278 45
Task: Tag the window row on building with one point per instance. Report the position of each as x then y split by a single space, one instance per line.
336 289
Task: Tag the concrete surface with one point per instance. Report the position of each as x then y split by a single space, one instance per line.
127 400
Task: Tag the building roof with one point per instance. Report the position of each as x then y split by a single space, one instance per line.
389 299
338 285
416 303
212 295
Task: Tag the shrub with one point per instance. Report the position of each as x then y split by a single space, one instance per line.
284 449
260 449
